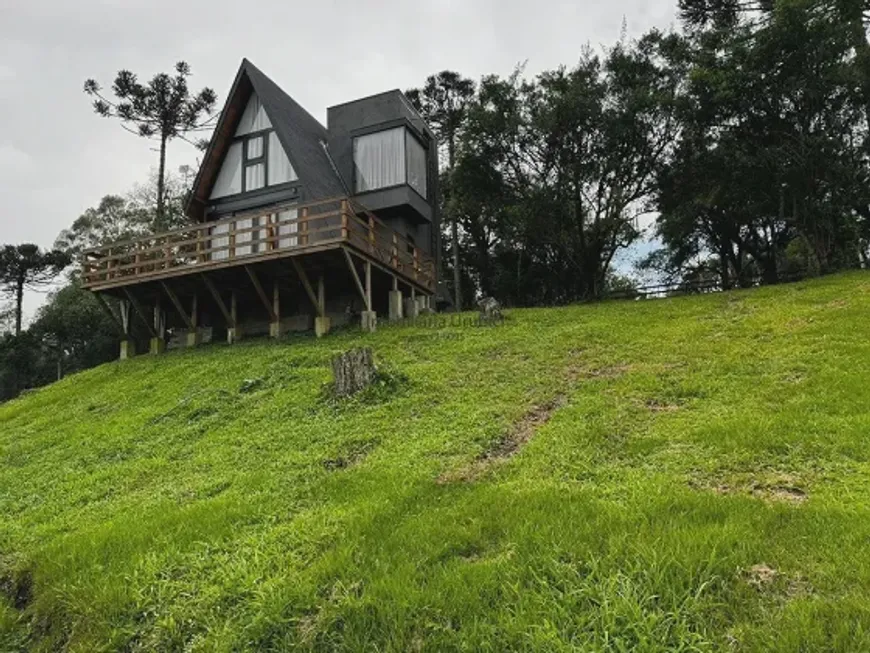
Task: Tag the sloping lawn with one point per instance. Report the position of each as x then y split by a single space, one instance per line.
685 474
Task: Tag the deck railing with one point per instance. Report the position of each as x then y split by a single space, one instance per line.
271 233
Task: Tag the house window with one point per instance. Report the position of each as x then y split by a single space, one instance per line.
255 148
255 164
389 158
278 165
416 165
379 159
229 181
255 159
254 118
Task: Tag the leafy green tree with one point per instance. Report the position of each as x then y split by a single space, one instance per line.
176 190
27 267
134 215
771 148
115 218
575 153
443 102
851 16
162 109
19 364
75 329
7 318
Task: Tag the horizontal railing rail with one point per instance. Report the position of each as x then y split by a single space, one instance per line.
243 238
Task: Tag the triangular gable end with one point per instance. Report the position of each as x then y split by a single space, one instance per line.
274 167
296 139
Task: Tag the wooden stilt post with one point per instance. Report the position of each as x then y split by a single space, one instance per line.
321 322
396 308
158 340
222 307
369 284
411 307
275 324
356 280
128 346
369 317
234 331
321 295
193 332
140 311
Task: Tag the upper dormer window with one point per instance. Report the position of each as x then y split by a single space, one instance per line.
389 158
255 159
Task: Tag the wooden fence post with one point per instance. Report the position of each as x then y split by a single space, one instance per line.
303 226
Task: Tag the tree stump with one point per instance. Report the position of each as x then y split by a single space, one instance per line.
354 371
490 310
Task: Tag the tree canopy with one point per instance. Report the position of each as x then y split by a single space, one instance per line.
745 135
163 109
27 267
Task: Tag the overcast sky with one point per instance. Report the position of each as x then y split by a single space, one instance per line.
58 158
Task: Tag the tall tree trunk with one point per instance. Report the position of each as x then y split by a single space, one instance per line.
161 183
19 301
454 227
724 260
457 273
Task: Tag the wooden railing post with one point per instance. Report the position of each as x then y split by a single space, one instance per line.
394 258
303 226
416 262
371 234
276 231
271 231
344 211
232 237
200 245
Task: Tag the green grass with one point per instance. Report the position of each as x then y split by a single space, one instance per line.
152 505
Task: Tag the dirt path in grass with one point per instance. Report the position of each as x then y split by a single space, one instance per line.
507 445
523 430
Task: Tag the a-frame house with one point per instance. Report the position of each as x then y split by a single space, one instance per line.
294 225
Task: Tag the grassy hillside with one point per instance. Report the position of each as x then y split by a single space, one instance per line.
686 474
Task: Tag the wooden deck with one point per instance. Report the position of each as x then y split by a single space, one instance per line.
273 233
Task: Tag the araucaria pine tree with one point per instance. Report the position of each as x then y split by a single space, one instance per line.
162 109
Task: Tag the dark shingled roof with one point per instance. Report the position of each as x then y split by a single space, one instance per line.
302 136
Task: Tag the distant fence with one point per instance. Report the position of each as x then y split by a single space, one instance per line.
663 290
